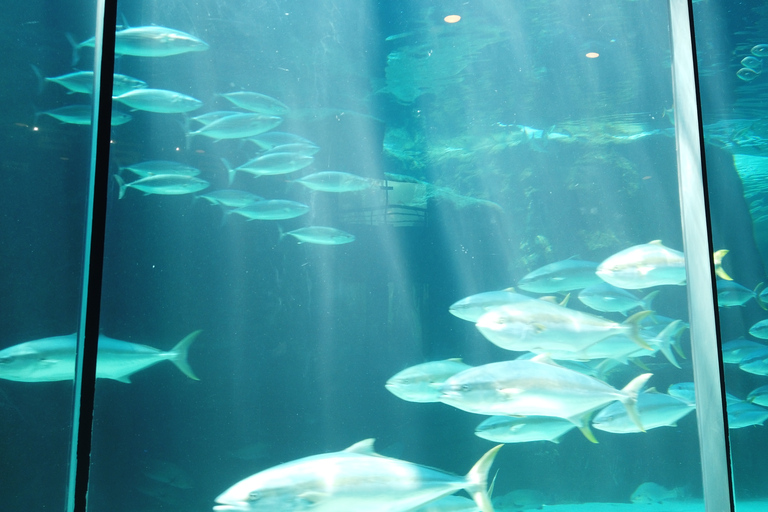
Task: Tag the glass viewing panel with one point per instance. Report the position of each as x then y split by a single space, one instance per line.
731 43
46 145
313 197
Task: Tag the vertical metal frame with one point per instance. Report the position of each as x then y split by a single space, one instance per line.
697 241
90 300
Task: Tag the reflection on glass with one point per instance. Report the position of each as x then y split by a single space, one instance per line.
733 93
440 228
46 137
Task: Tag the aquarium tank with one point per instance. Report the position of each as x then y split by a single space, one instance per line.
384 256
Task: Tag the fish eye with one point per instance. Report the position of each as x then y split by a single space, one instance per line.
254 495
465 387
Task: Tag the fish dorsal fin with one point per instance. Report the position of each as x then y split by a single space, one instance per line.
652 390
456 360
655 242
364 447
126 379
511 289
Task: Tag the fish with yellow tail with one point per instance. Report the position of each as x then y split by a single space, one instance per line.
352 480
651 264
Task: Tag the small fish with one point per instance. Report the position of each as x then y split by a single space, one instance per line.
154 167
271 209
759 396
353 480
159 100
321 235
53 359
760 50
334 181
238 126
421 383
231 198
561 276
524 429
163 184
151 41
747 74
745 414
760 330
81 114
752 63
611 299
651 264
650 492
655 410
473 307
256 102
686 392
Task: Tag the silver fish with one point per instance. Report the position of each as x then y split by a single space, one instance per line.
760 330
272 209
159 101
536 388
270 140
611 299
81 114
151 41
82 82
163 184
745 414
154 167
731 293
299 148
53 359
421 383
566 275
238 126
759 396
655 410
510 429
473 307
651 264
352 480
738 350
231 198
321 235
256 102
760 50
650 493
334 181
275 163
539 326
210 117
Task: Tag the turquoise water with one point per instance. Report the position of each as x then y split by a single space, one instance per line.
521 135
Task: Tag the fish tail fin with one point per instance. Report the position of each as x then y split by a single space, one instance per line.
230 171
633 323
718 258
180 355
75 48
758 289
282 233
648 300
666 341
122 185
629 399
477 480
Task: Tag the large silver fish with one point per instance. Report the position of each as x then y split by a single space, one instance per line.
53 359
82 81
561 276
651 264
512 429
163 184
473 307
81 114
257 102
334 181
539 326
536 388
320 235
353 480
159 100
151 41
237 125
655 410
271 209
421 383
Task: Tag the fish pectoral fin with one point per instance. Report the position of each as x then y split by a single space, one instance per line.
510 392
539 328
645 270
313 497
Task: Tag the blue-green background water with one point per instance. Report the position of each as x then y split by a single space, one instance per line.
298 340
